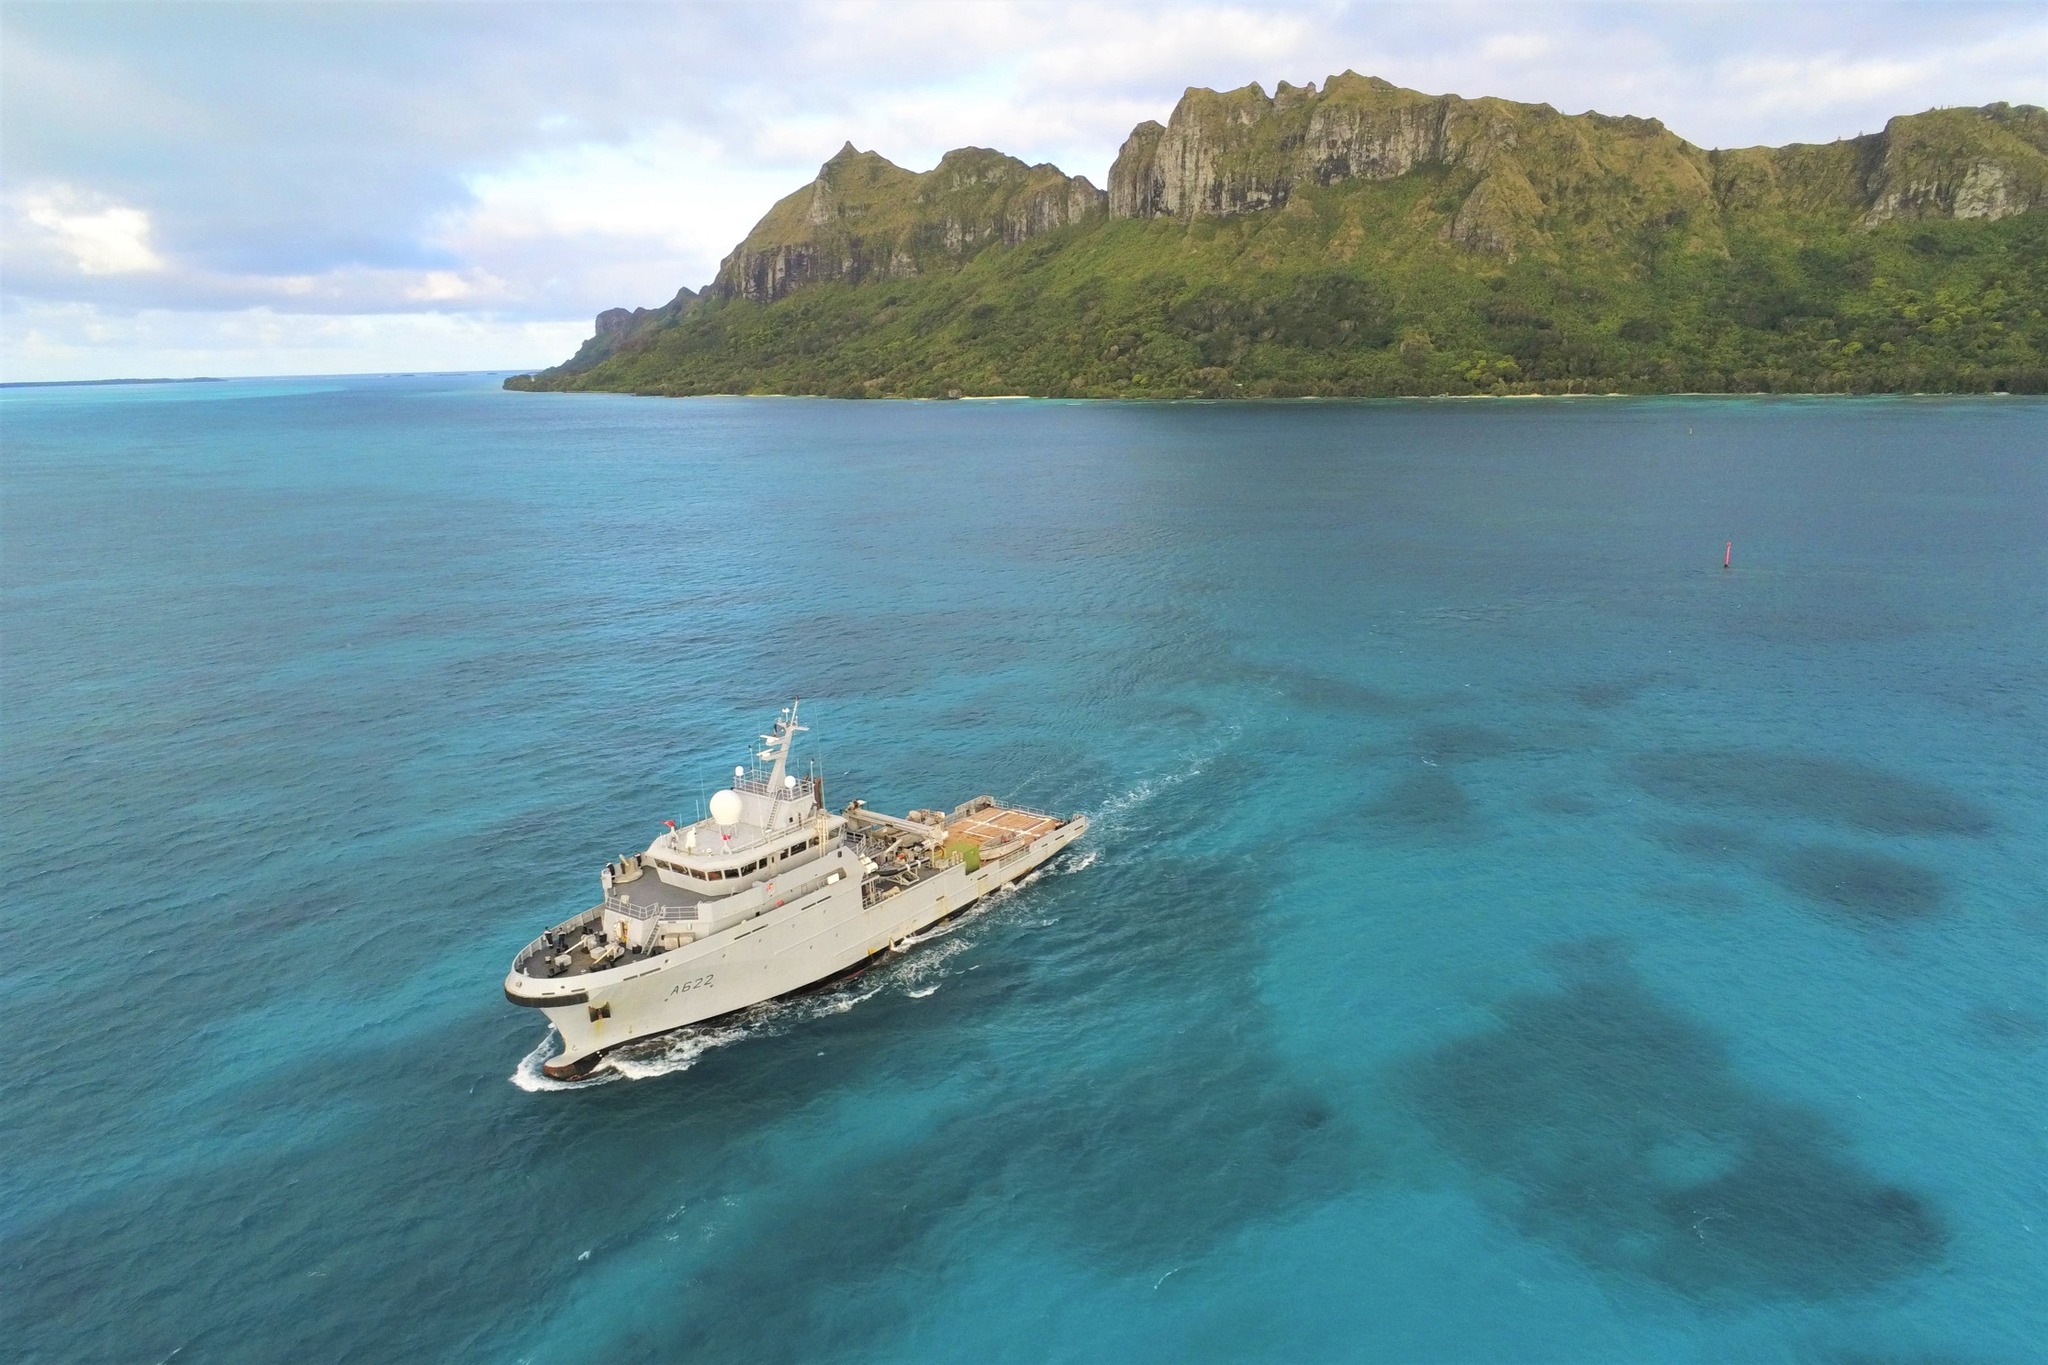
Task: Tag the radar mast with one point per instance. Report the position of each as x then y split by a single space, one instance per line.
776 750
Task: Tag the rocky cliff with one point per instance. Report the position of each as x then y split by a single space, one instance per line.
1982 164
616 326
865 218
1363 238
1516 169
1524 170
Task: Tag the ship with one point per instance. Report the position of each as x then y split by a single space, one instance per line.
769 894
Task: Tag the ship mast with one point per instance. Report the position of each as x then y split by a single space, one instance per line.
777 751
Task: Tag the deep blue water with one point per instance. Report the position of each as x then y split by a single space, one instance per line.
1505 936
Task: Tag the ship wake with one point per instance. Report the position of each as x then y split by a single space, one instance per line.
1124 813
679 1051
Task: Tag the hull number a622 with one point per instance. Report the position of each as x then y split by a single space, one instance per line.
679 988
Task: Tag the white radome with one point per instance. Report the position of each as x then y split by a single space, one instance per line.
726 807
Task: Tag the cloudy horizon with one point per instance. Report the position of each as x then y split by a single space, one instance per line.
285 189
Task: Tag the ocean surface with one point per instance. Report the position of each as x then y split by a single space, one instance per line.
1505 935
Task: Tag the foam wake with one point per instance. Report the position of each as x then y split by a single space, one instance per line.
679 1051
1066 865
1120 813
529 1077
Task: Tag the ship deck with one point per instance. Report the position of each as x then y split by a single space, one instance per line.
996 825
993 827
583 950
646 894
648 890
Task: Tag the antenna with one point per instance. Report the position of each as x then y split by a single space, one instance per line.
786 730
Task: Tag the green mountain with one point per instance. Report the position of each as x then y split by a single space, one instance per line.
1366 240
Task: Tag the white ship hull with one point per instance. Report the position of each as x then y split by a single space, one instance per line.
827 926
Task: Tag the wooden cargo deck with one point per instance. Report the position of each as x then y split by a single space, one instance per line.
994 826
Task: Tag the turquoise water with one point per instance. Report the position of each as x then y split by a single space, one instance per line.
1505 936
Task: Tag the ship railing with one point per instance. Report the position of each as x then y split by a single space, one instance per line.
961 810
1036 812
652 910
588 919
760 786
724 849
690 914
866 845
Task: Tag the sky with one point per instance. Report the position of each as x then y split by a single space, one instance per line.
245 189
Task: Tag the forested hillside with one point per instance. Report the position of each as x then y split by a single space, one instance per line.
1367 240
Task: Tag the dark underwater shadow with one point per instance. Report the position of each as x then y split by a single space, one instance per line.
1453 742
1609 694
1134 1160
1812 787
1613 1127
1867 890
1564 803
426 1209
1326 693
1706 841
1140 1170
1870 888
2008 1026
1423 803
1888 1355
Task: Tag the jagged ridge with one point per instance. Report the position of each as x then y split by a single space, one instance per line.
1375 181
865 218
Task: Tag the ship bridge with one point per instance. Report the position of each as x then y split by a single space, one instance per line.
767 817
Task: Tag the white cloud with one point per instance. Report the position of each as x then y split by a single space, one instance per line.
668 199
1879 85
1517 47
106 239
75 340
1822 82
407 162
449 286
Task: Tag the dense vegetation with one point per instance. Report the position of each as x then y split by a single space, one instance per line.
1158 308
1524 252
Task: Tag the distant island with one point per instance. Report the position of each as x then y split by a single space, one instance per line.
1365 240
92 383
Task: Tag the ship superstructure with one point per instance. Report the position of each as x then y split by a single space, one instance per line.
767 894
